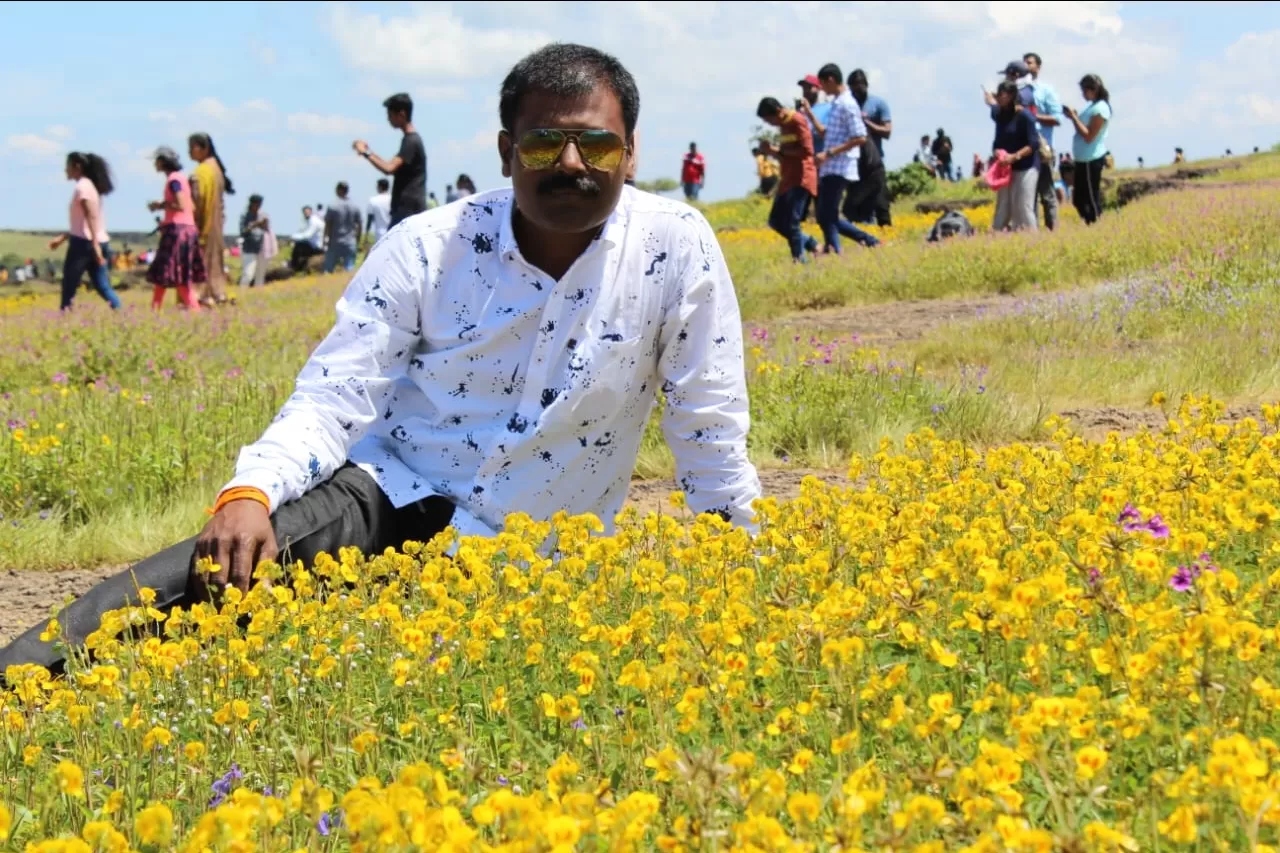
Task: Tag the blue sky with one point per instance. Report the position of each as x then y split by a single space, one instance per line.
285 88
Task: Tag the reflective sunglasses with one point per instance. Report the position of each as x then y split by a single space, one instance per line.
540 148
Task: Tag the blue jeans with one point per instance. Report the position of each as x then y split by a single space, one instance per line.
691 191
788 211
831 190
335 255
80 259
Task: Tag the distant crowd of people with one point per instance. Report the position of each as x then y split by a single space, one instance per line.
828 160
190 258
830 156
829 151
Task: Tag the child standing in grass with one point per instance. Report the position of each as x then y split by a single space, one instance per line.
178 262
87 234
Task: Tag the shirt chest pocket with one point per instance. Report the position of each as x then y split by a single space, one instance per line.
616 357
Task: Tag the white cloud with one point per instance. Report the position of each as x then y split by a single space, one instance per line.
32 147
436 43
59 131
480 141
316 123
1261 109
252 115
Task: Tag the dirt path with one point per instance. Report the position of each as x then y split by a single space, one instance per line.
911 320
1096 421
27 597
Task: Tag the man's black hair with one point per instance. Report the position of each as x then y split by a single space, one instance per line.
568 71
830 71
1036 57
383 185
342 187
400 102
857 74
768 107
255 199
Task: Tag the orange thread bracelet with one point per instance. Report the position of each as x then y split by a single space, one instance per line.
240 493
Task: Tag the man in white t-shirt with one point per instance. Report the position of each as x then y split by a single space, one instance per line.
379 211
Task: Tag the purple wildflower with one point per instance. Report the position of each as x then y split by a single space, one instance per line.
59 378
503 780
323 826
222 787
1095 577
1129 515
579 724
1157 528
1183 579
619 712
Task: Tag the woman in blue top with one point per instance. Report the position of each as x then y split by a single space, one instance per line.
1089 147
1017 143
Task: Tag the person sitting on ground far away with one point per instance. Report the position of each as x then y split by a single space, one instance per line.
1178 156
496 356
924 155
308 242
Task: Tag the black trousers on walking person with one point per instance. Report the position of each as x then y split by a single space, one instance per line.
867 201
348 509
1087 189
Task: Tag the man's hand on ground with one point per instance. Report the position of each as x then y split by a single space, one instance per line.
237 538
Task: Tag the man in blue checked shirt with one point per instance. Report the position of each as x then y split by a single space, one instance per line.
1048 116
838 162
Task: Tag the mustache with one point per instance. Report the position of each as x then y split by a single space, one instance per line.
584 184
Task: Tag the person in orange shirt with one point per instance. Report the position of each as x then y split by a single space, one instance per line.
798 179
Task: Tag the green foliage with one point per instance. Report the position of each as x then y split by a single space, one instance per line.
659 185
765 133
912 179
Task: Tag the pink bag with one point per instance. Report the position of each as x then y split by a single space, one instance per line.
998 175
270 246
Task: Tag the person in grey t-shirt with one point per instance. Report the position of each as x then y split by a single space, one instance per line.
342 231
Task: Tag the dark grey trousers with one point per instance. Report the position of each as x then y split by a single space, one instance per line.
347 510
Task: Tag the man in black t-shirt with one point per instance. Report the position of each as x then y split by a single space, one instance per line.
942 153
408 169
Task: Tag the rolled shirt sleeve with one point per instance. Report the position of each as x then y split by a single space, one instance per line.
701 363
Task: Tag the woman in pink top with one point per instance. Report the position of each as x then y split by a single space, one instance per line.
178 262
87 236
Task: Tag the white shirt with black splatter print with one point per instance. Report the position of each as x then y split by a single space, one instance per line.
457 368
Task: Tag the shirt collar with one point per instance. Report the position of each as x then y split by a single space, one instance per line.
611 235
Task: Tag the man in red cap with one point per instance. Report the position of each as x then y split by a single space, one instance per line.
810 107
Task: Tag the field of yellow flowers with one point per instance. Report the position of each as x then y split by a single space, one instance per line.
1063 647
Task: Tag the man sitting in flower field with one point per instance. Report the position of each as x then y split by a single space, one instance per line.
491 357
